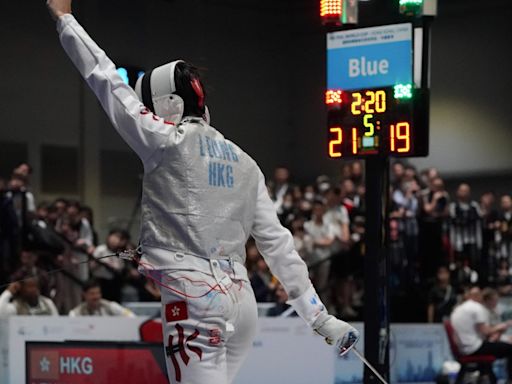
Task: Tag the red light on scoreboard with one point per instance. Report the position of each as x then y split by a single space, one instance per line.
330 11
333 97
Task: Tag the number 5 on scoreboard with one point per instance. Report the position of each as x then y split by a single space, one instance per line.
334 144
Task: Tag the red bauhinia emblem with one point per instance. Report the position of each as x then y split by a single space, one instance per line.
171 350
176 311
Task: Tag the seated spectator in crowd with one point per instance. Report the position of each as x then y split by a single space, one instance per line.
503 278
476 335
95 305
281 297
466 227
107 271
26 299
490 298
441 298
28 267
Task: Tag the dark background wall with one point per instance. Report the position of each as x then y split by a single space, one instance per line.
264 65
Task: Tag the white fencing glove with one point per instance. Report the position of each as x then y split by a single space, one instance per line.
336 332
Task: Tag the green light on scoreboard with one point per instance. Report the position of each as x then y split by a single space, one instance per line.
403 91
411 2
411 7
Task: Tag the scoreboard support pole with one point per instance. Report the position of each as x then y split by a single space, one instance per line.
376 293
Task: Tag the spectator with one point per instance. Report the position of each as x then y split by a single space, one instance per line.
81 226
288 210
23 169
441 298
262 282
302 241
18 186
341 271
26 300
471 322
42 211
108 271
350 199
280 186
323 235
406 205
504 228
397 173
281 297
503 278
357 173
28 267
490 298
488 263
10 230
466 227
87 213
95 305
434 212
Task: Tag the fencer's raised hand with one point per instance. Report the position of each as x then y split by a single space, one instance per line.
58 8
336 332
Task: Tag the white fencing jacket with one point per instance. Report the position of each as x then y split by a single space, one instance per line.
203 196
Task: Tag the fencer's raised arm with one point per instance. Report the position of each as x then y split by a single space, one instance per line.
142 130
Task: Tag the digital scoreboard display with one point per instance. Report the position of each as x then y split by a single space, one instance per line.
374 107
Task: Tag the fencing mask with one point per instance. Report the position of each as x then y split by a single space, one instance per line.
157 91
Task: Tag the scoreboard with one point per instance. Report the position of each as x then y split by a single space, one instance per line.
374 106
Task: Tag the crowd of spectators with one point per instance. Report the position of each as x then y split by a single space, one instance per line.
37 238
439 243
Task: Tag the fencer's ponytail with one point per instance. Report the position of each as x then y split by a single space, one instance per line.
189 86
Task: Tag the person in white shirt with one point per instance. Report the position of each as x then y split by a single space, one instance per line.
23 298
475 335
202 198
95 305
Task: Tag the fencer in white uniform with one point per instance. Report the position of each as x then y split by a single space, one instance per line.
202 199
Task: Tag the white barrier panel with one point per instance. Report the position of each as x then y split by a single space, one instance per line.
285 349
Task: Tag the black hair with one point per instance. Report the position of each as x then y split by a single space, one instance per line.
90 284
184 73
